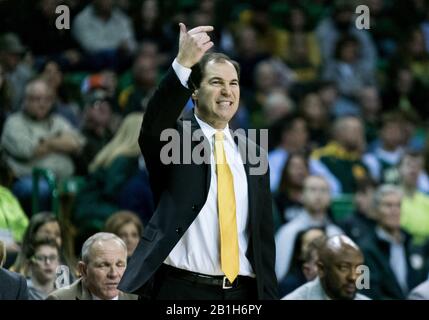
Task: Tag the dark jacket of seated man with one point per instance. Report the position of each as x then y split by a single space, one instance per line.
12 286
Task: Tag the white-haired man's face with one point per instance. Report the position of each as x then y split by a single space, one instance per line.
389 211
104 270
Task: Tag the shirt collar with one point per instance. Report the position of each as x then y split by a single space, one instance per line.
383 235
94 297
209 131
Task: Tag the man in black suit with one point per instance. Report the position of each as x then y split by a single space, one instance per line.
396 265
211 236
12 286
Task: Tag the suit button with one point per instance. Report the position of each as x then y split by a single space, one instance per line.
178 230
194 207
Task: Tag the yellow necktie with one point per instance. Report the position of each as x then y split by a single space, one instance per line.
227 213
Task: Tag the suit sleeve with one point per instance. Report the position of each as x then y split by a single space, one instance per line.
22 293
269 249
163 110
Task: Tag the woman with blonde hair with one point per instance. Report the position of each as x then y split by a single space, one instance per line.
111 170
124 143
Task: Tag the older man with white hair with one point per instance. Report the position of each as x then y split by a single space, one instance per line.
396 264
103 262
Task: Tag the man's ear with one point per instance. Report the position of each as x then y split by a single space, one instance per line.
82 268
194 94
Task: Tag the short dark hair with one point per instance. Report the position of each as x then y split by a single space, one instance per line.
198 70
344 40
41 242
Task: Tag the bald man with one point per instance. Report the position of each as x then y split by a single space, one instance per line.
339 258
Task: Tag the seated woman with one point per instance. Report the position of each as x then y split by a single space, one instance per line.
304 260
289 195
112 170
127 226
44 225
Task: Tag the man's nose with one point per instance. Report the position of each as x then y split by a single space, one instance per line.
226 90
113 272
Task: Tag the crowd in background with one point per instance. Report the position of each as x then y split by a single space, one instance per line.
346 110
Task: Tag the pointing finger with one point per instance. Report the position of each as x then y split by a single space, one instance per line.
200 29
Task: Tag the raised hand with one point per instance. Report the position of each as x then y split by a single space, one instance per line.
193 44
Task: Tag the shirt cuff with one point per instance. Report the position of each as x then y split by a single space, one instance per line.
182 73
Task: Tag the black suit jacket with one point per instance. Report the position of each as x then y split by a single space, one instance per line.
181 190
383 283
12 286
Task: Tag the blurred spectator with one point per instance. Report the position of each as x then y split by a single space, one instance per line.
248 54
16 70
395 264
115 165
105 34
362 221
136 193
341 23
370 108
404 92
43 225
289 195
269 100
346 69
384 31
145 76
339 258
415 204
317 119
340 161
382 162
53 74
13 286
44 258
293 138
258 18
127 226
413 54
298 47
148 26
36 138
103 262
316 199
304 260
13 221
106 80
5 98
97 115
46 40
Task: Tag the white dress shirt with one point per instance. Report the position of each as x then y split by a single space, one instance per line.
199 248
94 297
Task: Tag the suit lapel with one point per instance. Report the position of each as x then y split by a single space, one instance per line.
189 116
